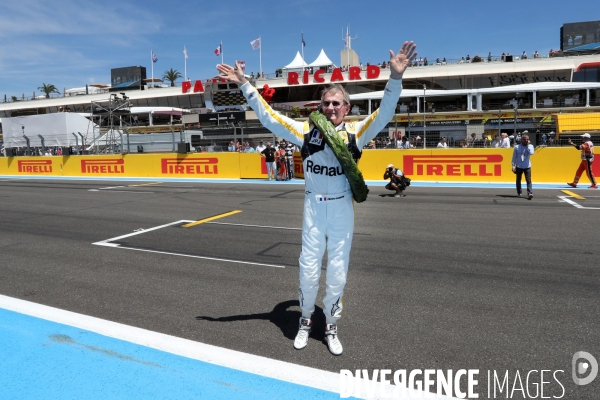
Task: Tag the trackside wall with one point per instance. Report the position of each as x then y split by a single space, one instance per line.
550 165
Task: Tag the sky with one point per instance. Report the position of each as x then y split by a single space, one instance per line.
73 43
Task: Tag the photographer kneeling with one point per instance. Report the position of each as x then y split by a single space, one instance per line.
396 183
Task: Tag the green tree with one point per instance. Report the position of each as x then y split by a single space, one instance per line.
48 89
171 75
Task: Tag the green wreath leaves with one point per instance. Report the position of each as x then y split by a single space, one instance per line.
335 142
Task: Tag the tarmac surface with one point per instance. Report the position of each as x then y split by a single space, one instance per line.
444 278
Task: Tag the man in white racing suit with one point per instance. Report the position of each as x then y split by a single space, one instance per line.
328 206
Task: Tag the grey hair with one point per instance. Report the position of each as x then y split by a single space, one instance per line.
336 88
524 136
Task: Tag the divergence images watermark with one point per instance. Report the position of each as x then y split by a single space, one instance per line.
464 384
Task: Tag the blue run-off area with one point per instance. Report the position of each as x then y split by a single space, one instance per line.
40 359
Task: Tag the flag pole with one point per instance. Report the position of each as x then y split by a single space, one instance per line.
222 59
152 62
260 53
184 63
302 45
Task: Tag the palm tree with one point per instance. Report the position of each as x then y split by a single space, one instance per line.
48 89
171 75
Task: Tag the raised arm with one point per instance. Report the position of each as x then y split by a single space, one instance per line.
399 62
234 75
374 123
280 125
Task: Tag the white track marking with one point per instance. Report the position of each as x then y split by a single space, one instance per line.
577 205
108 243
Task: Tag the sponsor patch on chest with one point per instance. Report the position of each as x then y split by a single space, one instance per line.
316 137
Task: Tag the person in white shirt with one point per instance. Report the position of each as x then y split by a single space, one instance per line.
521 164
260 147
404 144
443 143
505 141
496 142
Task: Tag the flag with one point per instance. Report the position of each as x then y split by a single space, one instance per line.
303 42
242 64
255 44
185 52
154 58
218 50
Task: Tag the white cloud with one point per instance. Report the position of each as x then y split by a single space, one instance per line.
33 17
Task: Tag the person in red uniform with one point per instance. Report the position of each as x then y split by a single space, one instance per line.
281 164
587 158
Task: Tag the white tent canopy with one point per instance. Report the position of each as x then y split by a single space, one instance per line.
298 62
321 61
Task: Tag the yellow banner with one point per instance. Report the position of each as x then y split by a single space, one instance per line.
549 165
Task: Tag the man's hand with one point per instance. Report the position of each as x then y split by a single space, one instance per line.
234 75
404 58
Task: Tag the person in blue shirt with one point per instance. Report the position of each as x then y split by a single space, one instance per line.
521 164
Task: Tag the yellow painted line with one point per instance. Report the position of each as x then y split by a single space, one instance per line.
575 195
147 184
227 214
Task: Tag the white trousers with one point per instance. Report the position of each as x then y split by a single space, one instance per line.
328 224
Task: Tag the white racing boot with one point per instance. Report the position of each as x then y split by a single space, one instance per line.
333 342
303 331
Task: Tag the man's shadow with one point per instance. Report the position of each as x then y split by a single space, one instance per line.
282 317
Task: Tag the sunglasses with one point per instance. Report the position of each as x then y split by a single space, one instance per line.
335 104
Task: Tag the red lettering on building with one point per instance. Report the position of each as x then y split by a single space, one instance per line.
318 76
373 72
187 85
103 166
336 75
292 78
354 73
34 166
198 87
190 166
453 165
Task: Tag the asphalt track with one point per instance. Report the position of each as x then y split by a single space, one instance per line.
444 278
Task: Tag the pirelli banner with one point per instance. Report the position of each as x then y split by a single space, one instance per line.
435 165
549 165
171 165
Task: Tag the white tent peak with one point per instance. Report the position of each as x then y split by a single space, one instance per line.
298 62
321 61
